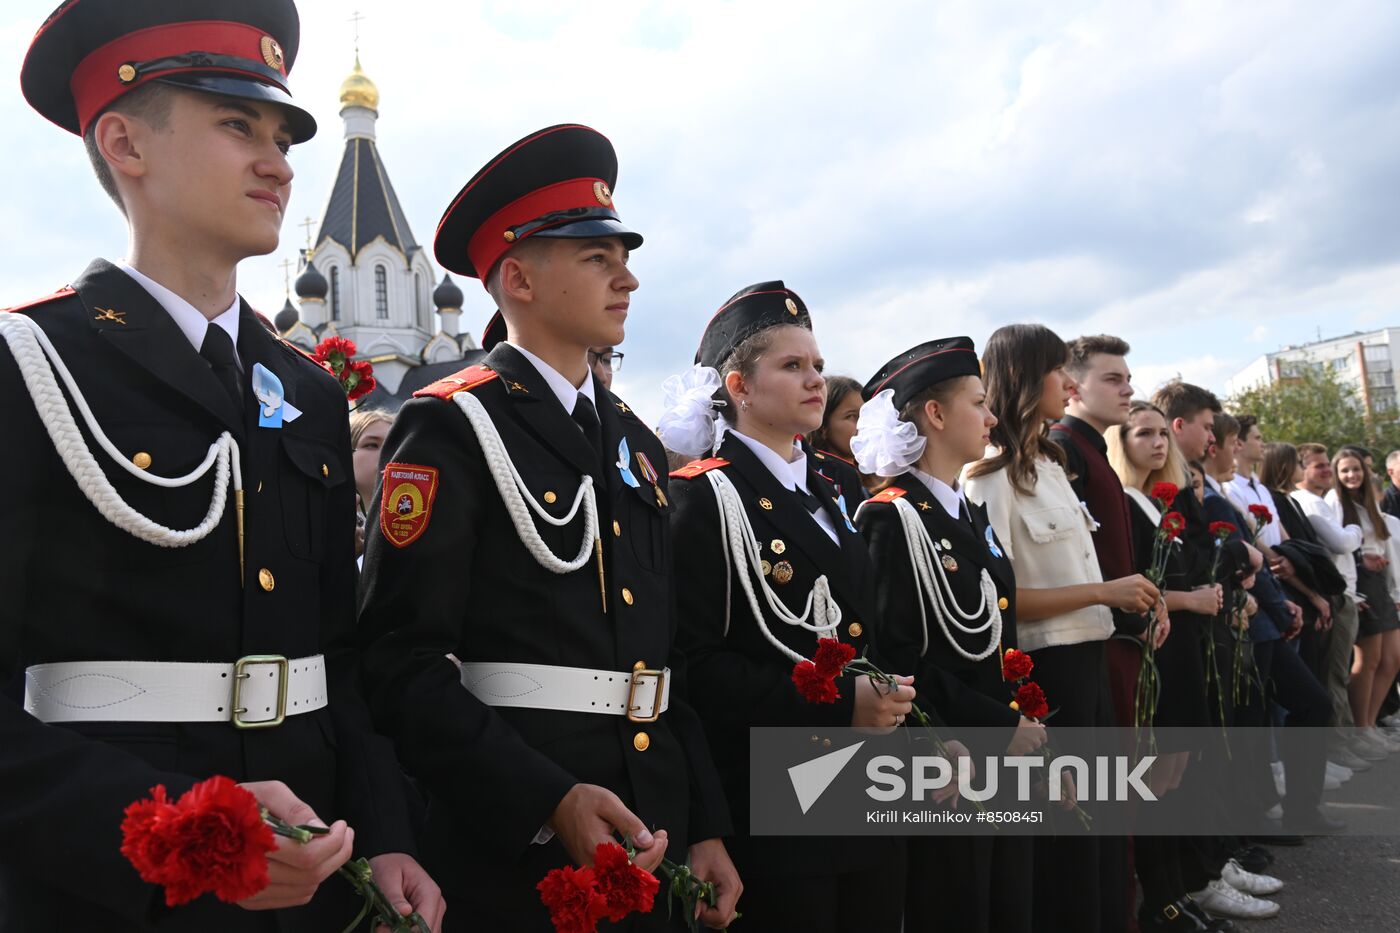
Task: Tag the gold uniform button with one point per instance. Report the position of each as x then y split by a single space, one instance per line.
826 743
617 529
856 629
639 666
142 460
550 498
627 596
1002 603
325 470
265 579
126 73
641 741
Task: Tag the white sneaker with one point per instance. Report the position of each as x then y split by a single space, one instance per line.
1222 900
1348 759
1279 778
1330 783
1392 721
1363 747
1274 813
1236 877
1340 772
1384 739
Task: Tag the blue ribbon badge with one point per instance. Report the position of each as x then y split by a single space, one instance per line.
841 504
624 461
273 409
992 543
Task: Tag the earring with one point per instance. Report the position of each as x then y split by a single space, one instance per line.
744 405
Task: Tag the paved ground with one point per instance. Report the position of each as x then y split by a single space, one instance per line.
1349 882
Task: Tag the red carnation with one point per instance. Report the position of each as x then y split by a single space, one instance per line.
1222 530
1173 523
1030 700
625 887
1165 493
813 685
212 839
328 350
1016 665
1261 513
573 899
358 380
832 656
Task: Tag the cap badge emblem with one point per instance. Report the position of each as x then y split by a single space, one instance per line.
791 307
271 52
126 73
601 192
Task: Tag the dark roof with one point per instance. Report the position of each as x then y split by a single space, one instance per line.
415 379
363 204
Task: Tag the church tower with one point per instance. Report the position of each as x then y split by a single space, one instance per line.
378 281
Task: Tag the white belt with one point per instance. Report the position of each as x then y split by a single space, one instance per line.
254 692
640 695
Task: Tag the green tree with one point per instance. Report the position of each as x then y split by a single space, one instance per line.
1316 407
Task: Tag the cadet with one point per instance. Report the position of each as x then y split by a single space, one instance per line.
179 576
759 353
946 593
522 529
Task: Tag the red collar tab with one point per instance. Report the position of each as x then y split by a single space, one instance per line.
460 381
699 467
503 229
890 494
205 46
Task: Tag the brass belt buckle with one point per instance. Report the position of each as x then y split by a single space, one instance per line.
241 674
656 700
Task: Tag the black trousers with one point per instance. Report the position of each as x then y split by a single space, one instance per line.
971 884
1081 882
1302 742
870 900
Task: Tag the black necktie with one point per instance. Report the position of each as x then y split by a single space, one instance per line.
586 417
217 350
809 501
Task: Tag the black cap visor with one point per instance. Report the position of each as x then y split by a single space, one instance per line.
300 124
592 229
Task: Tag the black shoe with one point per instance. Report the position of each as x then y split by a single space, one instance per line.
1314 823
1173 917
1212 924
1256 859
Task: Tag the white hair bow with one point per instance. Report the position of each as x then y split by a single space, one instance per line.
883 444
688 424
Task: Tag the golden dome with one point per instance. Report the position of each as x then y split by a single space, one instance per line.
358 90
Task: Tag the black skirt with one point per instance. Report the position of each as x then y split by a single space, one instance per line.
1379 615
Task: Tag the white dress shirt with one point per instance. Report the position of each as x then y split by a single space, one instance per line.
791 474
1245 491
563 389
1341 541
950 497
191 321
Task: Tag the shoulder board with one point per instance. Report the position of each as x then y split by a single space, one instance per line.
265 321
460 381
824 454
890 494
61 293
697 467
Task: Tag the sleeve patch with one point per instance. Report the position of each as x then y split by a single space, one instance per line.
406 502
890 494
460 381
698 467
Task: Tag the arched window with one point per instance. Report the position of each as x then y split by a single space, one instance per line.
335 293
381 293
418 300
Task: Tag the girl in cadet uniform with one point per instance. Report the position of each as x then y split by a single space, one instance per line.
767 563
946 594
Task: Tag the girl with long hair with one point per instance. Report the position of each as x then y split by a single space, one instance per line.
1063 616
1377 661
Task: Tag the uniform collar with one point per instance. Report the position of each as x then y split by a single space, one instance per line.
792 474
563 389
949 497
1214 484
191 321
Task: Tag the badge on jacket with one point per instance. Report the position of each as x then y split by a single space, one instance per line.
273 408
406 502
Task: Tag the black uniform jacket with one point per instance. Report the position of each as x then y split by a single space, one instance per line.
975 695
739 679
77 588
468 587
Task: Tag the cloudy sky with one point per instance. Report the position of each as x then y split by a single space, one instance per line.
1208 180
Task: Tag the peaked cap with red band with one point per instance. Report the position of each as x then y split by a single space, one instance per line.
747 312
920 367
494 333
89 53
556 182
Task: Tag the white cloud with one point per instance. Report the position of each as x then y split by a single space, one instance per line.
1199 178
